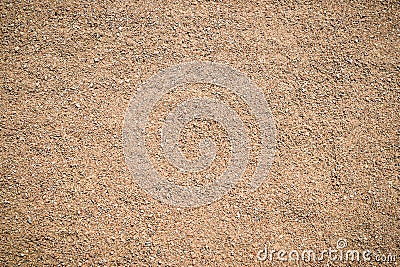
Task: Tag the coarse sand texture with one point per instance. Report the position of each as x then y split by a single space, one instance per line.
199 133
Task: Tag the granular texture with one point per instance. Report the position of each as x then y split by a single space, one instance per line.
69 69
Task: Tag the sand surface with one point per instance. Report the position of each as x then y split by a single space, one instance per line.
329 71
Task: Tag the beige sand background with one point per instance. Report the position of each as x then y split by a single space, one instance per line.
329 70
